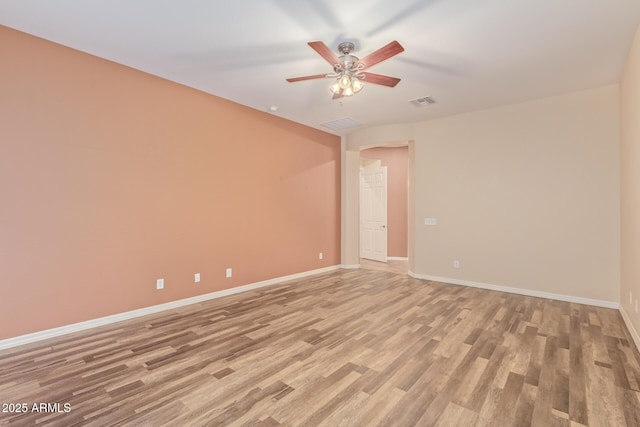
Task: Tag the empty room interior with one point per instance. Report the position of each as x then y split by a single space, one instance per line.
320 213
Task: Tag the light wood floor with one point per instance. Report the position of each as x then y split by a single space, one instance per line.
393 266
351 347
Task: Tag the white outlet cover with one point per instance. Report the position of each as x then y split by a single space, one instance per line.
160 284
196 277
430 221
229 272
320 256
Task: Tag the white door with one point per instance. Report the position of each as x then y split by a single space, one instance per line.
373 213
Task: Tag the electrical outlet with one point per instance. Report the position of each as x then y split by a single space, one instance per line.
456 263
160 284
229 272
320 255
196 277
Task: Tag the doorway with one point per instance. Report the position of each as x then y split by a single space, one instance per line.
392 224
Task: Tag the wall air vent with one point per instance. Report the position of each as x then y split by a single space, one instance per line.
341 124
421 102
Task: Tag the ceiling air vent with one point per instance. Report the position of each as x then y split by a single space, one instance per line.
421 102
341 124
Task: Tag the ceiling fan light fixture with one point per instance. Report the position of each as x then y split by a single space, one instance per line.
344 81
356 84
347 84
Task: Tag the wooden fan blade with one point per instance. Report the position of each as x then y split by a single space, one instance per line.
385 52
299 79
324 51
379 79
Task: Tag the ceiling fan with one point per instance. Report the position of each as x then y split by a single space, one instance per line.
348 70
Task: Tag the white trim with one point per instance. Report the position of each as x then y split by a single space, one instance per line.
81 326
350 266
632 330
397 258
528 292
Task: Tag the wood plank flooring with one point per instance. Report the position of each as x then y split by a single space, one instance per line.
394 266
347 348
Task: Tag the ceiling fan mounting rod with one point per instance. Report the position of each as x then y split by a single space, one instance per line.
346 48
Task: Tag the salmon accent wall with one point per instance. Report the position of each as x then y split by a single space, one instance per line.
396 159
111 178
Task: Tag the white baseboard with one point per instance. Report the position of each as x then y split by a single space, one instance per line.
528 292
397 258
350 266
632 330
81 326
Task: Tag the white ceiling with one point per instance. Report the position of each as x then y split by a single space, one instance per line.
467 54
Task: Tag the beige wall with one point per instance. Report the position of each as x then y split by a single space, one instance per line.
525 196
350 243
411 199
630 183
397 161
111 178
377 136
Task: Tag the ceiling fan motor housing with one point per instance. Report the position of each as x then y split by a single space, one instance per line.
348 60
348 63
